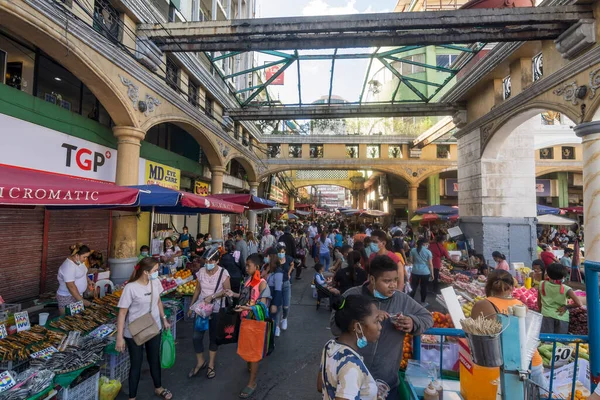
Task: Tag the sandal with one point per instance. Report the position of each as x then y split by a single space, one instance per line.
194 372
210 373
164 394
247 392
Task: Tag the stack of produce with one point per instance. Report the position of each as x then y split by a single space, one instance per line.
406 351
529 297
468 307
446 276
462 278
578 318
168 284
442 320
187 288
21 345
183 274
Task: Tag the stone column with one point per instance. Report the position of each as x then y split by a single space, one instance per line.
252 214
355 199
413 199
563 190
361 199
590 132
292 202
433 190
215 223
123 248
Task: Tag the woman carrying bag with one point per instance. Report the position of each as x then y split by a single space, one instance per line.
139 325
213 282
254 291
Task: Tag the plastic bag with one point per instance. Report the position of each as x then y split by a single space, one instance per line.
109 389
202 309
167 351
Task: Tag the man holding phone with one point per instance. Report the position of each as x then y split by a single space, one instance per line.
383 357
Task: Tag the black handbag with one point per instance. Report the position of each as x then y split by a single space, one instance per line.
228 326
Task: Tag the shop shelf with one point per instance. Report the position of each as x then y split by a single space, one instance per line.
116 366
86 390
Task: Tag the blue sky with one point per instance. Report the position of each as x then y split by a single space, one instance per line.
349 74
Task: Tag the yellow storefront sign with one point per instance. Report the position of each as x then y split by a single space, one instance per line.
201 188
162 175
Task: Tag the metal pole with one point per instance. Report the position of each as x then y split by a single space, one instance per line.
593 306
151 228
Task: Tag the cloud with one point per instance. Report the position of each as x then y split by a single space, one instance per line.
320 7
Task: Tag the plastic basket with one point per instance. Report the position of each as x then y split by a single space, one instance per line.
116 366
86 390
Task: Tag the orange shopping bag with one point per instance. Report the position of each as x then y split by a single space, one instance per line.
251 341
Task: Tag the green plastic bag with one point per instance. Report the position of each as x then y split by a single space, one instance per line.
167 352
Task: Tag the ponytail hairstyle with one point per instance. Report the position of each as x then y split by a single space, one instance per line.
498 282
79 249
146 264
499 255
354 258
323 237
355 307
420 244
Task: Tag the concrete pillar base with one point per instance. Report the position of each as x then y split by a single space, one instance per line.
121 269
515 237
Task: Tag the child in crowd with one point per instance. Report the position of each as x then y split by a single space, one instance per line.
553 297
144 252
320 279
184 241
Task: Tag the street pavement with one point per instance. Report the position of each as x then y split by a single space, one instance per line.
290 372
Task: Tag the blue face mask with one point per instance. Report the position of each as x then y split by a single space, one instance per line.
210 267
144 254
281 256
374 247
154 275
266 260
361 342
379 295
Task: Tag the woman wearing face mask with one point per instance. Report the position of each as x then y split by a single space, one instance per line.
141 294
170 254
422 270
274 277
287 263
213 284
72 278
343 373
325 247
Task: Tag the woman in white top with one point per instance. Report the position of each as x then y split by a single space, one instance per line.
213 284
267 241
72 277
171 252
140 295
325 246
343 374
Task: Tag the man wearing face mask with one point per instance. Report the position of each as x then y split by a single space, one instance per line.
383 356
379 247
287 263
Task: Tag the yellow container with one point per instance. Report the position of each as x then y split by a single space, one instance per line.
528 282
476 383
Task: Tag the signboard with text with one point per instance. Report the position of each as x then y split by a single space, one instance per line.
201 188
75 308
162 175
22 321
271 71
542 188
451 186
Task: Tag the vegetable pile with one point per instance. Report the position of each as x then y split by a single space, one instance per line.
442 320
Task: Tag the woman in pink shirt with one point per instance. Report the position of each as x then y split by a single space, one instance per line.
500 261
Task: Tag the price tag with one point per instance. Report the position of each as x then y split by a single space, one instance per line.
75 308
6 381
563 354
102 331
3 333
45 354
22 321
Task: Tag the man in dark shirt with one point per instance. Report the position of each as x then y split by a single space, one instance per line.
198 246
289 241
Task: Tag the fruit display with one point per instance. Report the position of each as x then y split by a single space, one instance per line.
406 351
442 320
529 297
468 307
187 288
578 321
578 395
168 284
183 274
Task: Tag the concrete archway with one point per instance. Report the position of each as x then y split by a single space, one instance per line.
247 164
546 171
71 53
325 183
204 138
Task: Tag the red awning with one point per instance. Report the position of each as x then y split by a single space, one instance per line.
246 200
574 210
27 187
210 203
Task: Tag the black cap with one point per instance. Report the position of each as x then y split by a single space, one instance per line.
287 229
271 250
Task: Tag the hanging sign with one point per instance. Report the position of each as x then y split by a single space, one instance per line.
162 175
3 332
22 321
201 188
75 308
45 354
6 381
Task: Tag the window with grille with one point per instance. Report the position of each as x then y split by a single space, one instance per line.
506 88
443 150
273 151
547 153
295 151
193 93
373 151
445 60
568 153
394 152
351 151
106 20
537 63
172 77
208 107
316 151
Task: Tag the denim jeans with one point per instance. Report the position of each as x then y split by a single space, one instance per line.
325 259
287 298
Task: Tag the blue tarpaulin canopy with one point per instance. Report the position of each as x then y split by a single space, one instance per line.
439 209
544 210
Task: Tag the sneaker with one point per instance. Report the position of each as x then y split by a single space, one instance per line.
277 331
284 324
